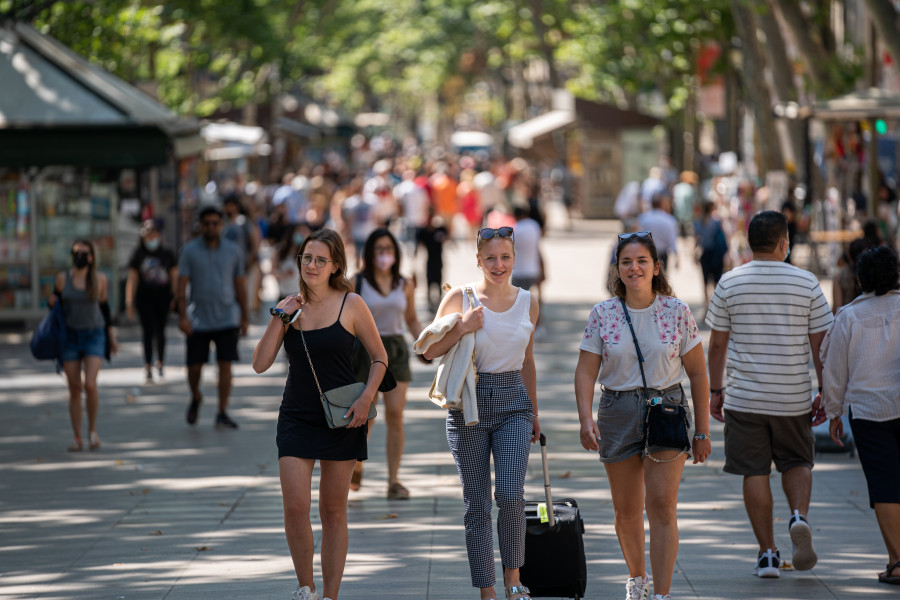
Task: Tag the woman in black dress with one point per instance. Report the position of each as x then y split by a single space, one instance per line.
331 318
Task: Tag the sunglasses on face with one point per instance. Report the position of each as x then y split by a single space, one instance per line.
624 237
213 223
488 233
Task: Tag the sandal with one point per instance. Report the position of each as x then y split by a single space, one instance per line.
356 478
518 589
886 577
77 445
397 491
94 441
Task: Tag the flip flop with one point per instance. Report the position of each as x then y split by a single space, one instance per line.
886 577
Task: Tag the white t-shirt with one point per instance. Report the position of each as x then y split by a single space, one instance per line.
414 201
501 342
770 308
527 241
666 331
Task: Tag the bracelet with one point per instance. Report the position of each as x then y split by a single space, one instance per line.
379 361
702 436
820 389
718 391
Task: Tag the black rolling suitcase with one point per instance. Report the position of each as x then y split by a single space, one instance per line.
554 548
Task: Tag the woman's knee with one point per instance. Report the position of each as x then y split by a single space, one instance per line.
90 387
661 509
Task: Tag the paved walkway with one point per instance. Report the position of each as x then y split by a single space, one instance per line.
166 511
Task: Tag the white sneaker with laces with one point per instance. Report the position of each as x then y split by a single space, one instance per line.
637 588
804 557
304 593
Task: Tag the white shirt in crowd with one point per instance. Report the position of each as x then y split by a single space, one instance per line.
414 201
527 241
769 308
861 355
666 331
664 228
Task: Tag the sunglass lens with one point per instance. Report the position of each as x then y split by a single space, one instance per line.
505 232
486 233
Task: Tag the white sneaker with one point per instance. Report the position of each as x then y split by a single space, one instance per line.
661 597
304 593
637 588
804 557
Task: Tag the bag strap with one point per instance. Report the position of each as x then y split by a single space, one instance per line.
636 345
471 294
308 357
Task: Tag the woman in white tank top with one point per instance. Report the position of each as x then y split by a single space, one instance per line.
503 319
390 299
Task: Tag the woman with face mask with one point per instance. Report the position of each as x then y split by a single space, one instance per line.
150 288
83 293
390 298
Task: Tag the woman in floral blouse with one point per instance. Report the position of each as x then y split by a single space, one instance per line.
671 347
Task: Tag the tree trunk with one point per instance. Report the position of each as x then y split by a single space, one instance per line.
757 90
815 56
785 88
887 20
537 11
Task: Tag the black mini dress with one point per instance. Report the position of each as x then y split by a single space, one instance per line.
302 430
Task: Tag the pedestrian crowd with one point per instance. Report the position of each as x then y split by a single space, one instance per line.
344 338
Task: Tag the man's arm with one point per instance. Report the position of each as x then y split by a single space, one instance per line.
718 352
815 344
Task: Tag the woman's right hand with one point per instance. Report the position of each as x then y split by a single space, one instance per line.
590 433
473 320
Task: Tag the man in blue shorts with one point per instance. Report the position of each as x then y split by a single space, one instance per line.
217 308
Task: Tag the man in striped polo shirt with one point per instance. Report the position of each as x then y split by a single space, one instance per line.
766 317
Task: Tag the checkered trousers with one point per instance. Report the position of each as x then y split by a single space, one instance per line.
504 430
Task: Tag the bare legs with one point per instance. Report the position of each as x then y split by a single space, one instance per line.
76 385
633 484
194 375
394 403
888 515
797 486
334 486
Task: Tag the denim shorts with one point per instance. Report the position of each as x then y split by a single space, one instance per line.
84 342
620 419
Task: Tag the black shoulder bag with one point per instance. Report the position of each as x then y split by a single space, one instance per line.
666 424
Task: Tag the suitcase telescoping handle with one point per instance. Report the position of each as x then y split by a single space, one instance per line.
552 518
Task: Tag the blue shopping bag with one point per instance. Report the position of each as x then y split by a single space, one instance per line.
49 337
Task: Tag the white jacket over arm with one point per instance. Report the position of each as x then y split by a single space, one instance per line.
454 383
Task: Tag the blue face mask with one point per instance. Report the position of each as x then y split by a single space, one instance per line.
298 238
151 245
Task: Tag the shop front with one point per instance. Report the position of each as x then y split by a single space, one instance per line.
79 149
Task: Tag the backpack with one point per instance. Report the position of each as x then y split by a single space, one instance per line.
49 337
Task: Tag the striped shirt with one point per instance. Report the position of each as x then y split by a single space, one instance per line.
769 308
861 354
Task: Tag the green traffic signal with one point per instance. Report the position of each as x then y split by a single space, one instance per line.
880 126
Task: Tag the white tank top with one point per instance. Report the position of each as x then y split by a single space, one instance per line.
500 344
386 310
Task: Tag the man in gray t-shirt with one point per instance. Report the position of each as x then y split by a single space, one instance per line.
216 310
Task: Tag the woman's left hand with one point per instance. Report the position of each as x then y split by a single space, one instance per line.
535 429
359 412
701 449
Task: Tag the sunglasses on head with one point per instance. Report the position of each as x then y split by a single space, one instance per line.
624 237
488 233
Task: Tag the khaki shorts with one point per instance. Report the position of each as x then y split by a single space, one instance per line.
754 441
398 359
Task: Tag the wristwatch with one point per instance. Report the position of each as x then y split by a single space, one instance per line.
702 436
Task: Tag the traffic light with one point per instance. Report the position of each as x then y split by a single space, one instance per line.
880 126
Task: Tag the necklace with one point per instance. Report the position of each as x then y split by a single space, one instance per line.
652 300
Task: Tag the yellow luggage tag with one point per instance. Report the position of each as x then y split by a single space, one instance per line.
542 512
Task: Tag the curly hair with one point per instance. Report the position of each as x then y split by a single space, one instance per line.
878 270
660 282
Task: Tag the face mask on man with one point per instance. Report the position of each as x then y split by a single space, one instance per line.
151 245
383 262
298 239
80 259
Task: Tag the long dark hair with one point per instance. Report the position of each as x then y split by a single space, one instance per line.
660 282
338 280
91 284
368 270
